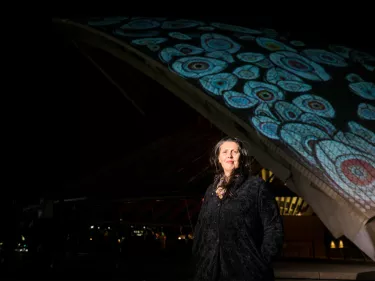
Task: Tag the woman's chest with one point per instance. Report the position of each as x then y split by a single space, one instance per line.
241 206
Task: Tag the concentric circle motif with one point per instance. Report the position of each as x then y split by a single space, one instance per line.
264 92
235 28
141 24
315 104
216 42
325 57
356 170
273 45
300 66
196 67
351 170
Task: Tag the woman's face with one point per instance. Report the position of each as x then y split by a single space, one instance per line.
229 156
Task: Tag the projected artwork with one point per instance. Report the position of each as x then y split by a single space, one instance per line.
273 45
351 77
264 92
302 138
167 54
340 50
318 122
197 67
351 169
215 42
297 43
179 24
325 57
141 24
315 103
275 75
121 32
148 41
287 111
364 89
266 126
294 86
179 35
247 72
300 66
250 57
223 55
366 111
239 100
218 83
265 63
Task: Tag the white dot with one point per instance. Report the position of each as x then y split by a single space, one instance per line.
363 210
367 207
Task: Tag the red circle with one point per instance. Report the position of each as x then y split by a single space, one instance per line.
297 64
265 95
364 167
316 105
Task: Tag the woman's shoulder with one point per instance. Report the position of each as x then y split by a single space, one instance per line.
254 181
253 184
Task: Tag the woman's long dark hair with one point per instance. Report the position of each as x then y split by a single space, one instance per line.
244 167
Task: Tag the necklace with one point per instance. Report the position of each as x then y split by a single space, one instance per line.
220 191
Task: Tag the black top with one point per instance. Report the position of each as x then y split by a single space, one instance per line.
237 237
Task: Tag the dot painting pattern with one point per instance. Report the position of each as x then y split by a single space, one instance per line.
315 103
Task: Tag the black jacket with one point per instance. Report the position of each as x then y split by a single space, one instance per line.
237 238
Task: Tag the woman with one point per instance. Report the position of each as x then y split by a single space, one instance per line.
239 230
